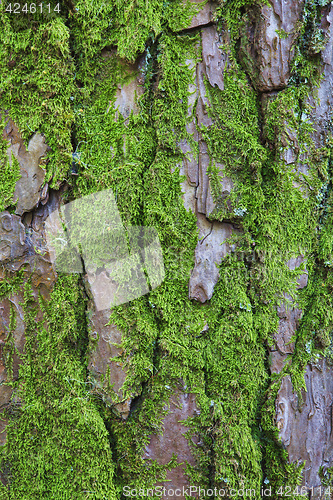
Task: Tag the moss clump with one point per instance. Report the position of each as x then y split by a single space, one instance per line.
57 445
135 157
231 14
279 208
37 82
137 21
10 283
233 141
236 378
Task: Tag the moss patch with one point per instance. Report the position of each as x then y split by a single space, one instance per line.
57 445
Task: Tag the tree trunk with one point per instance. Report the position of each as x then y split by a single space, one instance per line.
166 249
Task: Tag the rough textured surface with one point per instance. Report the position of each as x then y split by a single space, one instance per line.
133 97
23 248
28 191
196 188
210 251
195 164
306 425
107 376
12 237
289 319
205 14
181 406
214 59
274 33
321 112
127 95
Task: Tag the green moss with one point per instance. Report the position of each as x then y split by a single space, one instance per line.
278 210
282 33
10 283
158 333
162 336
137 21
57 446
233 141
231 14
9 347
235 380
37 84
64 442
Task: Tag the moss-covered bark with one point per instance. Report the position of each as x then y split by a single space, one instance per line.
64 74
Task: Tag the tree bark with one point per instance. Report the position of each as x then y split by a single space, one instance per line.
166 309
